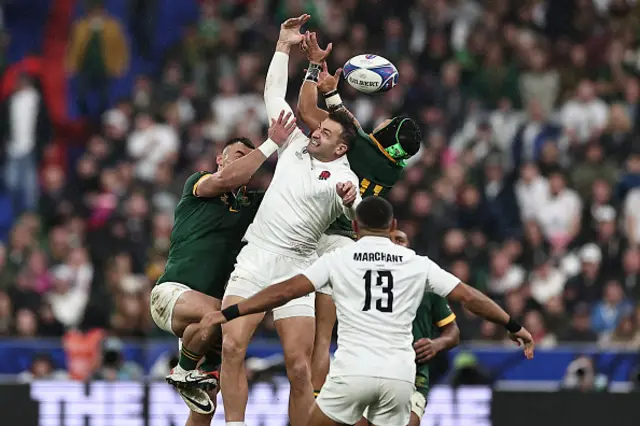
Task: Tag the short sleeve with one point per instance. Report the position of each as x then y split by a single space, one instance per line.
318 273
440 281
442 313
192 183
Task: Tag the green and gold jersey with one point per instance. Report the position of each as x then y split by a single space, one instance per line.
377 172
434 313
206 237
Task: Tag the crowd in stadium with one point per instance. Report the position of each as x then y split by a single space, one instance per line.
527 185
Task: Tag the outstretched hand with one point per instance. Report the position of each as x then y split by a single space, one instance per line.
282 128
523 338
326 81
312 49
290 30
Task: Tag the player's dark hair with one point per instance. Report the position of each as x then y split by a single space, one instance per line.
349 129
374 213
244 141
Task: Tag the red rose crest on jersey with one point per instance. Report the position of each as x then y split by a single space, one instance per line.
324 175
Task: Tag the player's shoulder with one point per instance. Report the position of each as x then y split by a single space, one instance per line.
193 180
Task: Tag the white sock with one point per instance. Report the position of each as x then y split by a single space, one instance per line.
235 424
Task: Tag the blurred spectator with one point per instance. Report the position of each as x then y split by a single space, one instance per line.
560 218
594 167
579 330
42 368
24 131
532 135
546 281
113 367
151 145
582 376
608 313
532 191
585 116
534 322
98 52
587 286
540 84
503 276
626 335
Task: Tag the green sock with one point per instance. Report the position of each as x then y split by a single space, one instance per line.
188 360
212 361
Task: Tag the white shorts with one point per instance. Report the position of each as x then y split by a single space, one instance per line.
257 269
329 243
163 299
387 402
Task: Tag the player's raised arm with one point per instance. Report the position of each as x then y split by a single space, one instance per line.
240 171
447 285
350 196
318 79
275 88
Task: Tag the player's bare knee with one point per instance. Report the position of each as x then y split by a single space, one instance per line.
298 370
232 350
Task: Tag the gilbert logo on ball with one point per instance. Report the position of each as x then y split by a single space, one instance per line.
370 74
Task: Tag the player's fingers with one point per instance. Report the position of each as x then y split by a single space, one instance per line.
273 122
328 49
304 18
338 73
314 39
286 117
291 126
325 67
280 117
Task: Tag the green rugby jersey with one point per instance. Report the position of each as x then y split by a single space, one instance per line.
434 313
206 237
377 172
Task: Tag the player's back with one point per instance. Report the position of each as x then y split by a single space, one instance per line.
377 288
377 173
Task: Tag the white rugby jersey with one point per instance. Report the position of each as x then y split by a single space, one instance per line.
301 201
377 288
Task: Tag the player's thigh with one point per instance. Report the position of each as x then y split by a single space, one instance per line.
393 406
344 399
174 306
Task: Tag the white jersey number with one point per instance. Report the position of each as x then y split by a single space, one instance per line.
384 279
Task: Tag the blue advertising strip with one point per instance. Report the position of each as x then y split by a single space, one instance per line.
500 362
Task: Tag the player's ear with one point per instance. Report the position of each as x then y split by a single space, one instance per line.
341 149
219 160
394 226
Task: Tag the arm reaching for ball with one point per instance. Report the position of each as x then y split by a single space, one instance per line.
318 79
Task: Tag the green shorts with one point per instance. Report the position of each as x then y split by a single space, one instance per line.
422 379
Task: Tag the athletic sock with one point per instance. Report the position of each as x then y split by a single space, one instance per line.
188 360
316 393
211 362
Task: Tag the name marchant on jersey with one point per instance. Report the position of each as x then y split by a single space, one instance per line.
377 257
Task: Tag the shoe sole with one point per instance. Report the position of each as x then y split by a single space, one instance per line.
206 384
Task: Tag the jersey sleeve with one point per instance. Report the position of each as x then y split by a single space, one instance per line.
275 92
192 183
439 281
318 273
442 313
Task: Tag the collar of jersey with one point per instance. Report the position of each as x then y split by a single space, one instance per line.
375 238
381 148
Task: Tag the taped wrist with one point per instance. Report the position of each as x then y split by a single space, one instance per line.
313 72
333 100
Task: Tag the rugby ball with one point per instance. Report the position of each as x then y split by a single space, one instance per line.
370 74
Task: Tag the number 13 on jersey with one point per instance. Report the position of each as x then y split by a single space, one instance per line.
384 279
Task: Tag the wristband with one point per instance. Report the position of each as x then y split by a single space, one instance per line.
313 73
333 100
512 326
231 313
268 147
